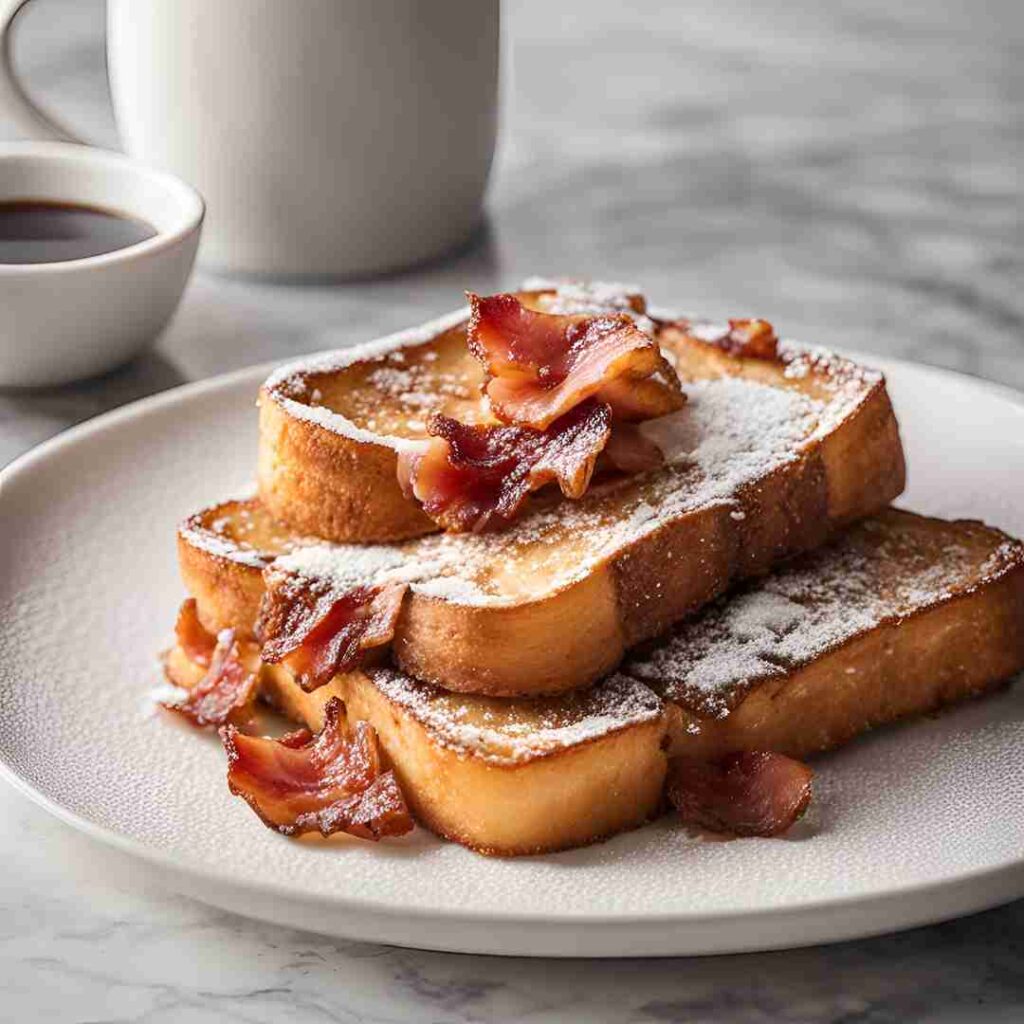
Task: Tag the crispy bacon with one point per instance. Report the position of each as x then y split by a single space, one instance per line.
471 477
318 632
192 636
540 365
332 782
752 793
227 693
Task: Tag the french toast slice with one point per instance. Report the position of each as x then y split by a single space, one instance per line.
332 425
898 616
766 459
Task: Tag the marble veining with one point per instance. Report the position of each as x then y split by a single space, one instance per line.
849 170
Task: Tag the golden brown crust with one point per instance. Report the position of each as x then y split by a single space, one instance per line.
960 637
518 650
575 797
866 447
960 648
327 485
342 484
227 592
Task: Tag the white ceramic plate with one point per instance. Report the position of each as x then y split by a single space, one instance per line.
910 825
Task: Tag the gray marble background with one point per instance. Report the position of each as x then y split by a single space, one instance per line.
852 172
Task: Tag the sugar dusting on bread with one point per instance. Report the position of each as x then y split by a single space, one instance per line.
350 565
285 376
730 433
239 531
290 385
511 732
570 297
879 571
597 295
215 543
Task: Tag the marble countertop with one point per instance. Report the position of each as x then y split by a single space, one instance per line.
850 171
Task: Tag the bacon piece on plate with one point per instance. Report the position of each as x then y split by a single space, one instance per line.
471 476
752 793
192 636
227 693
540 365
332 782
318 632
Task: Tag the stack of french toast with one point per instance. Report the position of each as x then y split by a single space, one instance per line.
555 564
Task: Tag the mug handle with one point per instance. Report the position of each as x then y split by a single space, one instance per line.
15 103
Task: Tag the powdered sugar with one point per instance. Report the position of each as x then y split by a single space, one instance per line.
350 565
574 297
729 421
286 385
215 543
1006 555
880 571
729 433
325 417
599 295
239 531
511 732
845 379
330 362
160 695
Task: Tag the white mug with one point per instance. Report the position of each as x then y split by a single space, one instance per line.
328 137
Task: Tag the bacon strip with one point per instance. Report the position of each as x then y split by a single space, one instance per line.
540 365
333 782
192 636
471 477
317 632
227 693
752 793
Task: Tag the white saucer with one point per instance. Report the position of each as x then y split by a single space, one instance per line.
910 825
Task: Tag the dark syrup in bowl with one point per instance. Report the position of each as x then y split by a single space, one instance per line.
38 231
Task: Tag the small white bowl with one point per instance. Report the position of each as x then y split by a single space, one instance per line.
64 321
